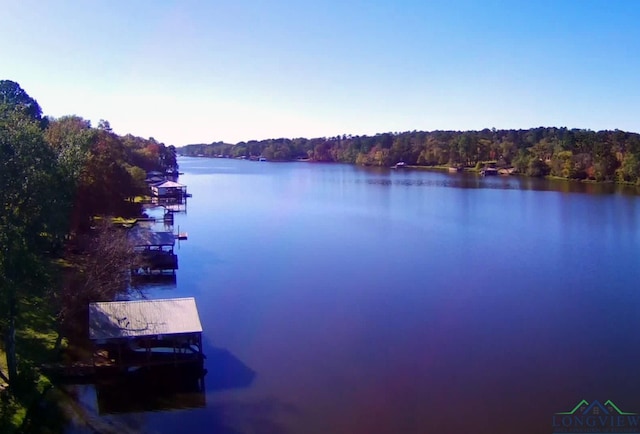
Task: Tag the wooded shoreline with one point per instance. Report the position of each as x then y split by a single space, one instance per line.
578 154
64 182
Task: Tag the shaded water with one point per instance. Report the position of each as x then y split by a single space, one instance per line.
338 299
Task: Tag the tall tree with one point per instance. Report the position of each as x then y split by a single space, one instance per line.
27 171
13 96
71 138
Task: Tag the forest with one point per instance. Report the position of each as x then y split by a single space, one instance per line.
579 154
63 181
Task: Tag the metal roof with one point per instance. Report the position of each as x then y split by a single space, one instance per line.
155 179
144 237
170 184
124 319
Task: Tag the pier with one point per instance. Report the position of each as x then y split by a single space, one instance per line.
156 249
138 333
169 189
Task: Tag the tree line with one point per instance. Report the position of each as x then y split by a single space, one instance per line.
561 152
59 179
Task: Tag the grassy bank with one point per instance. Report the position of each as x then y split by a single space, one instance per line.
37 342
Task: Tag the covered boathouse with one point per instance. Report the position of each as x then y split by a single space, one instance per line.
145 332
156 249
169 190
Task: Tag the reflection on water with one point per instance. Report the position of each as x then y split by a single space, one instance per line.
152 389
127 402
504 183
157 281
227 371
171 387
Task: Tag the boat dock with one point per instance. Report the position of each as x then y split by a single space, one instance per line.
156 249
139 333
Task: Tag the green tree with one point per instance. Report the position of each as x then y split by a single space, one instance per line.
105 185
71 138
27 201
13 96
521 161
629 168
537 167
562 165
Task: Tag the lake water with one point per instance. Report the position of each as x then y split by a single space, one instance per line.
340 299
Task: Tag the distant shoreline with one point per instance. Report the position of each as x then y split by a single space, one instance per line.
437 168
574 154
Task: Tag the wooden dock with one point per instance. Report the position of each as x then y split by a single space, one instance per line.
489 171
88 369
138 333
155 248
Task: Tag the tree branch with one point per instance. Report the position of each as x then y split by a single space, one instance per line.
4 377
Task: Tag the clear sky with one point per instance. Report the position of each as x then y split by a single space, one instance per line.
201 71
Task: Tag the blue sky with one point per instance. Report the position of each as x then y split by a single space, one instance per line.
201 71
